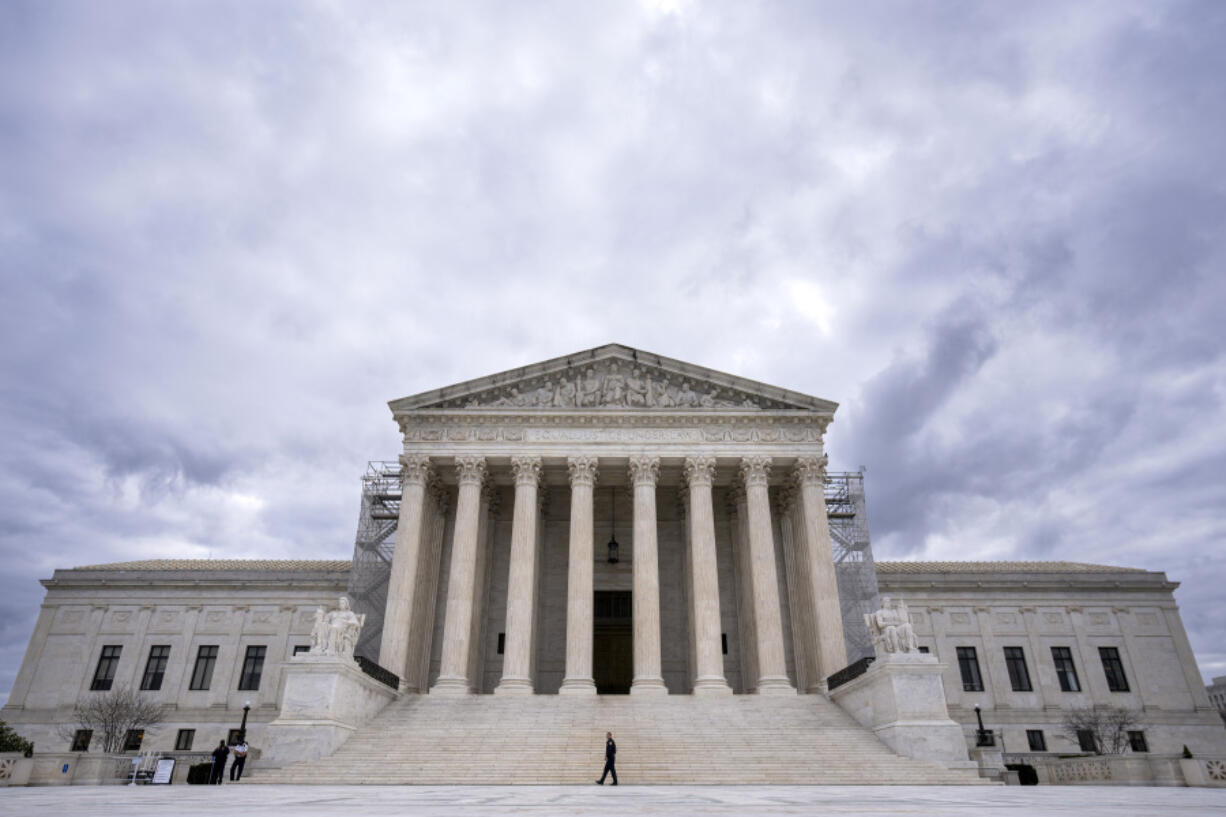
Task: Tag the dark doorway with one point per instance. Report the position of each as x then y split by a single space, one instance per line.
613 642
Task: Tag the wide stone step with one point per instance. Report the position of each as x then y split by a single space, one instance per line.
557 739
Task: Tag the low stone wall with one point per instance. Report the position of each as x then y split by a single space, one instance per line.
15 769
1125 770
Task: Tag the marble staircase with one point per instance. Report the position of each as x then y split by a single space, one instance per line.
430 739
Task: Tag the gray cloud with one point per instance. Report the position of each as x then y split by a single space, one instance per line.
229 233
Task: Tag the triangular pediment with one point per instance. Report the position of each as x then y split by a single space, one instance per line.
612 377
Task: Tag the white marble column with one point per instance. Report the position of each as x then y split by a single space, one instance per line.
704 590
521 580
823 590
579 595
407 564
648 680
772 663
462 581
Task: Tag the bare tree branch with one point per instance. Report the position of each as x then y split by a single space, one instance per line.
111 715
1109 726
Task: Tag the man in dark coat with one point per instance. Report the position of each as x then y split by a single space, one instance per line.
219 762
610 753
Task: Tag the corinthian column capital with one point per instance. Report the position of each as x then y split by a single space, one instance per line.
645 470
527 470
755 470
582 470
699 470
810 471
470 470
414 470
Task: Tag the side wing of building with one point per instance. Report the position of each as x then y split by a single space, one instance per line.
201 637
1029 641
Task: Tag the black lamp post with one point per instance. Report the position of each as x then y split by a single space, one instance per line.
242 730
981 738
613 525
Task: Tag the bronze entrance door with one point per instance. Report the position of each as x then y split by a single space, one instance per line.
613 642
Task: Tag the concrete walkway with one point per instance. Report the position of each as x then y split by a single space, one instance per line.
623 801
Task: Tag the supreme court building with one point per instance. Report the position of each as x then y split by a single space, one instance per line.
610 522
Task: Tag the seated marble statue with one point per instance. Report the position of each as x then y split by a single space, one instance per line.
336 631
891 628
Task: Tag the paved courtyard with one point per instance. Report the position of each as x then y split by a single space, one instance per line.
623 801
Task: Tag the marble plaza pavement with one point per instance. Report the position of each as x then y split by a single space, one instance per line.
623 801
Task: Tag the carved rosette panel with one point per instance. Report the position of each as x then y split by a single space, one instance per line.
470 470
756 471
527 470
644 470
582 470
699 471
414 470
810 471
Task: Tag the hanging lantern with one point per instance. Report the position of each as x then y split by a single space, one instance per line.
613 526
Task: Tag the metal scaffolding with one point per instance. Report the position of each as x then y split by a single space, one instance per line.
376 542
853 559
372 551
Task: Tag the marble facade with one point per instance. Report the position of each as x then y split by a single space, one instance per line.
712 485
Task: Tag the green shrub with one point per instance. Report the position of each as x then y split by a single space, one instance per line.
10 741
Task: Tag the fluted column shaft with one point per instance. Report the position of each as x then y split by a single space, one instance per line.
772 663
823 582
521 580
579 595
644 471
462 581
404 578
704 575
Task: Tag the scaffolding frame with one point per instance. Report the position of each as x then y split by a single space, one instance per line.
375 544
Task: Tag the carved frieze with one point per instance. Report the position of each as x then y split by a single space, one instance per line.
613 384
544 430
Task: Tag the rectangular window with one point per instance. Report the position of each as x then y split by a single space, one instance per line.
183 740
132 740
502 642
968 664
253 668
301 648
1035 738
202 674
155 667
1136 741
80 741
1114 669
104 675
1086 742
1019 676
723 640
1062 657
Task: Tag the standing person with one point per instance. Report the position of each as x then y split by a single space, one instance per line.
240 760
219 762
610 753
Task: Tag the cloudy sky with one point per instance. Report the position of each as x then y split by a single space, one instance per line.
230 232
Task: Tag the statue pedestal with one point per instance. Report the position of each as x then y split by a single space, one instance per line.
902 699
325 699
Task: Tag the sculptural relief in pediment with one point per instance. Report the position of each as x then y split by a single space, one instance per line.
612 384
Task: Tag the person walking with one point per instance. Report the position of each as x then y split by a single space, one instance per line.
219 762
240 760
610 754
